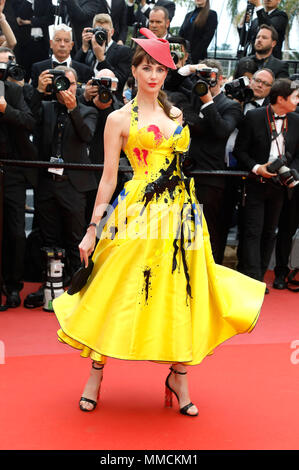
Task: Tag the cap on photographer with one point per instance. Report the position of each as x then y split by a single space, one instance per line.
61 44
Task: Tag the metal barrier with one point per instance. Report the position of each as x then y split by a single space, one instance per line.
84 167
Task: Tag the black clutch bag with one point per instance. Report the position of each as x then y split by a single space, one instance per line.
80 277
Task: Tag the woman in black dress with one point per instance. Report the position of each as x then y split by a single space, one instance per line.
198 28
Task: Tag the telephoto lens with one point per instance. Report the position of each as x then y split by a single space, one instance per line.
59 82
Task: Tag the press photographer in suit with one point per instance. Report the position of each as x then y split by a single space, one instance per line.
144 8
61 45
214 118
270 15
16 122
265 42
82 12
266 136
104 52
66 128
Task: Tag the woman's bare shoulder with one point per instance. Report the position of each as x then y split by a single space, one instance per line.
120 117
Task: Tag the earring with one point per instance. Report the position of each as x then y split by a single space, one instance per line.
136 83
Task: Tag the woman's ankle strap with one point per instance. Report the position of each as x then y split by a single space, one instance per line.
177 372
94 363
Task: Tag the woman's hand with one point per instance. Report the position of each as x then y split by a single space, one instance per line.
87 245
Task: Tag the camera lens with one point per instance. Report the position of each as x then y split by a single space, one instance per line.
201 88
17 72
104 95
61 83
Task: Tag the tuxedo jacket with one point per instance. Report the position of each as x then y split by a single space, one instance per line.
210 130
83 71
41 16
253 142
79 129
118 59
278 19
16 123
140 17
278 67
81 14
199 38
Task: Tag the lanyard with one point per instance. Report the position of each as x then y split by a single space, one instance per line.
273 130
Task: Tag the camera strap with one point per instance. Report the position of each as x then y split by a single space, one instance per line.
108 7
273 129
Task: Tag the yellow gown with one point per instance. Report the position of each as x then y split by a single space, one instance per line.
155 292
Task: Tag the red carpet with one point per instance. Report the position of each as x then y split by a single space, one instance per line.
247 392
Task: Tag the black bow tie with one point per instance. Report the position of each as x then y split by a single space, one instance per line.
55 64
279 117
254 103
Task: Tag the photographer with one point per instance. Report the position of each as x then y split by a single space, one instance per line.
265 42
99 51
214 118
61 45
82 12
268 136
66 128
144 8
100 93
16 122
270 15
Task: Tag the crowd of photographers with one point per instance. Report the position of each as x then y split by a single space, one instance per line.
56 94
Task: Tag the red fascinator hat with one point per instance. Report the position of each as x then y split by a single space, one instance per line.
157 48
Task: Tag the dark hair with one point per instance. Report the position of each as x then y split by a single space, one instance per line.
281 87
274 33
7 49
138 57
179 40
165 11
213 64
246 65
202 16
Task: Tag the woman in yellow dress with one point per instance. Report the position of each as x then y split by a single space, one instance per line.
155 292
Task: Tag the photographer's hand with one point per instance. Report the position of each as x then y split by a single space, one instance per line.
99 51
3 104
44 79
86 38
262 171
207 98
69 99
101 105
90 91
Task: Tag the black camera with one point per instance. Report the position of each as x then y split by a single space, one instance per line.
11 69
238 89
59 81
100 35
286 176
106 86
207 79
176 52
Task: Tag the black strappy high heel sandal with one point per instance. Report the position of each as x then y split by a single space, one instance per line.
88 400
169 391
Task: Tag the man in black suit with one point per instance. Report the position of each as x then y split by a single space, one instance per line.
82 12
109 55
270 15
66 128
16 122
266 134
145 7
61 45
214 119
34 19
265 42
